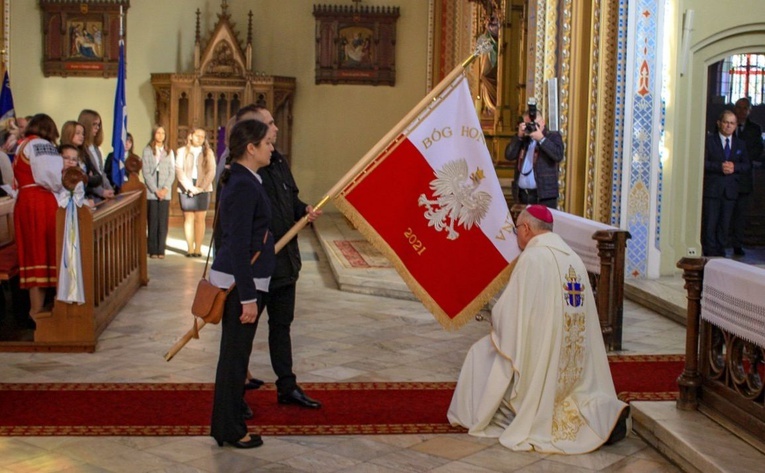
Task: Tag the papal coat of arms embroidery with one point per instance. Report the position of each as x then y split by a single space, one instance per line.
456 200
573 290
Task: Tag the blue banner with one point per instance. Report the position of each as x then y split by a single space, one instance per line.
119 136
6 99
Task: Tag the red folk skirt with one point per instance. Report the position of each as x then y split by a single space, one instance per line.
34 218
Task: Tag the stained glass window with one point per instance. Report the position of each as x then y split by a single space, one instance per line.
743 75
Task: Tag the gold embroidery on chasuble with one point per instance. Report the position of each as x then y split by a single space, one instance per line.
566 418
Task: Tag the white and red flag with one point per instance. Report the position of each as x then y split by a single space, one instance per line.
431 202
427 196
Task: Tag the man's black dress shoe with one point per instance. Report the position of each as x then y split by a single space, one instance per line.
620 429
254 383
297 396
255 441
738 251
247 413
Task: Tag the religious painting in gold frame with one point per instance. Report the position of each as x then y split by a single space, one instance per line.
355 45
81 39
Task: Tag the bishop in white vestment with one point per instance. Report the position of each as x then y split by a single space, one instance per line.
540 380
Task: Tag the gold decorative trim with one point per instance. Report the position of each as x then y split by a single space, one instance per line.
645 358
467 15
7 34
564 90
627 396
539 49
450 38
606 58
594 108
551 44
431 44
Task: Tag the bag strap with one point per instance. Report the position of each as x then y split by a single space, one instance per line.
212 239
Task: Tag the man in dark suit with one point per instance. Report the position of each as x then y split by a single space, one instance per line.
725 161
286 209
751 134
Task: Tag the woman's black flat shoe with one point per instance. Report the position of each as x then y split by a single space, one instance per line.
255 441
253 383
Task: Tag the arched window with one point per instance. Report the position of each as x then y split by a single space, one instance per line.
743 75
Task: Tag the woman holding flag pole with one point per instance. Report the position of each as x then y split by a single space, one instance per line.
455 79
245 262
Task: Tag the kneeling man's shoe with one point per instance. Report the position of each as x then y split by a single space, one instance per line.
620 429
298 397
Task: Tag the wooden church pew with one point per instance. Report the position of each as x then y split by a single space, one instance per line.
114 267
725 345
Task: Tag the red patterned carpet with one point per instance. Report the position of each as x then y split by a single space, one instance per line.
646 377
359 254
349 408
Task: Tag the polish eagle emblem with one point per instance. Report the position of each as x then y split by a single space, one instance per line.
455 198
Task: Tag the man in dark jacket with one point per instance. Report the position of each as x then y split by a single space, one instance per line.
751 134
286 209
538 152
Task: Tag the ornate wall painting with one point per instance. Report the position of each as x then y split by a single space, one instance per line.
82 38
355 45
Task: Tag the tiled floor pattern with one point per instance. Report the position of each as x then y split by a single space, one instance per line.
338 336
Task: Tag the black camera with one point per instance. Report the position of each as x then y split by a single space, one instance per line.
532 111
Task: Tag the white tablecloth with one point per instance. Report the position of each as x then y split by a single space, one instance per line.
733 298
577 232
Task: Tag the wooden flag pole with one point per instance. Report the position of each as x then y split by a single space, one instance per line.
193 333
355 171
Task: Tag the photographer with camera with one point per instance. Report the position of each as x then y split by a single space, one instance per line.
538 152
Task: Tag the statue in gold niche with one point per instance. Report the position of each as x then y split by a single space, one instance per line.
488 67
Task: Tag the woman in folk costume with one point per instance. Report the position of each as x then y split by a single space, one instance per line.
540 380
159 174
94 136
37 171
195 171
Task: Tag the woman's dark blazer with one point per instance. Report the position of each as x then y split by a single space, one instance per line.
243 221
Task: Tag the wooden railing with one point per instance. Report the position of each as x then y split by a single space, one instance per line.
9 260
7 231
602 249
724 373
17 305
113 255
